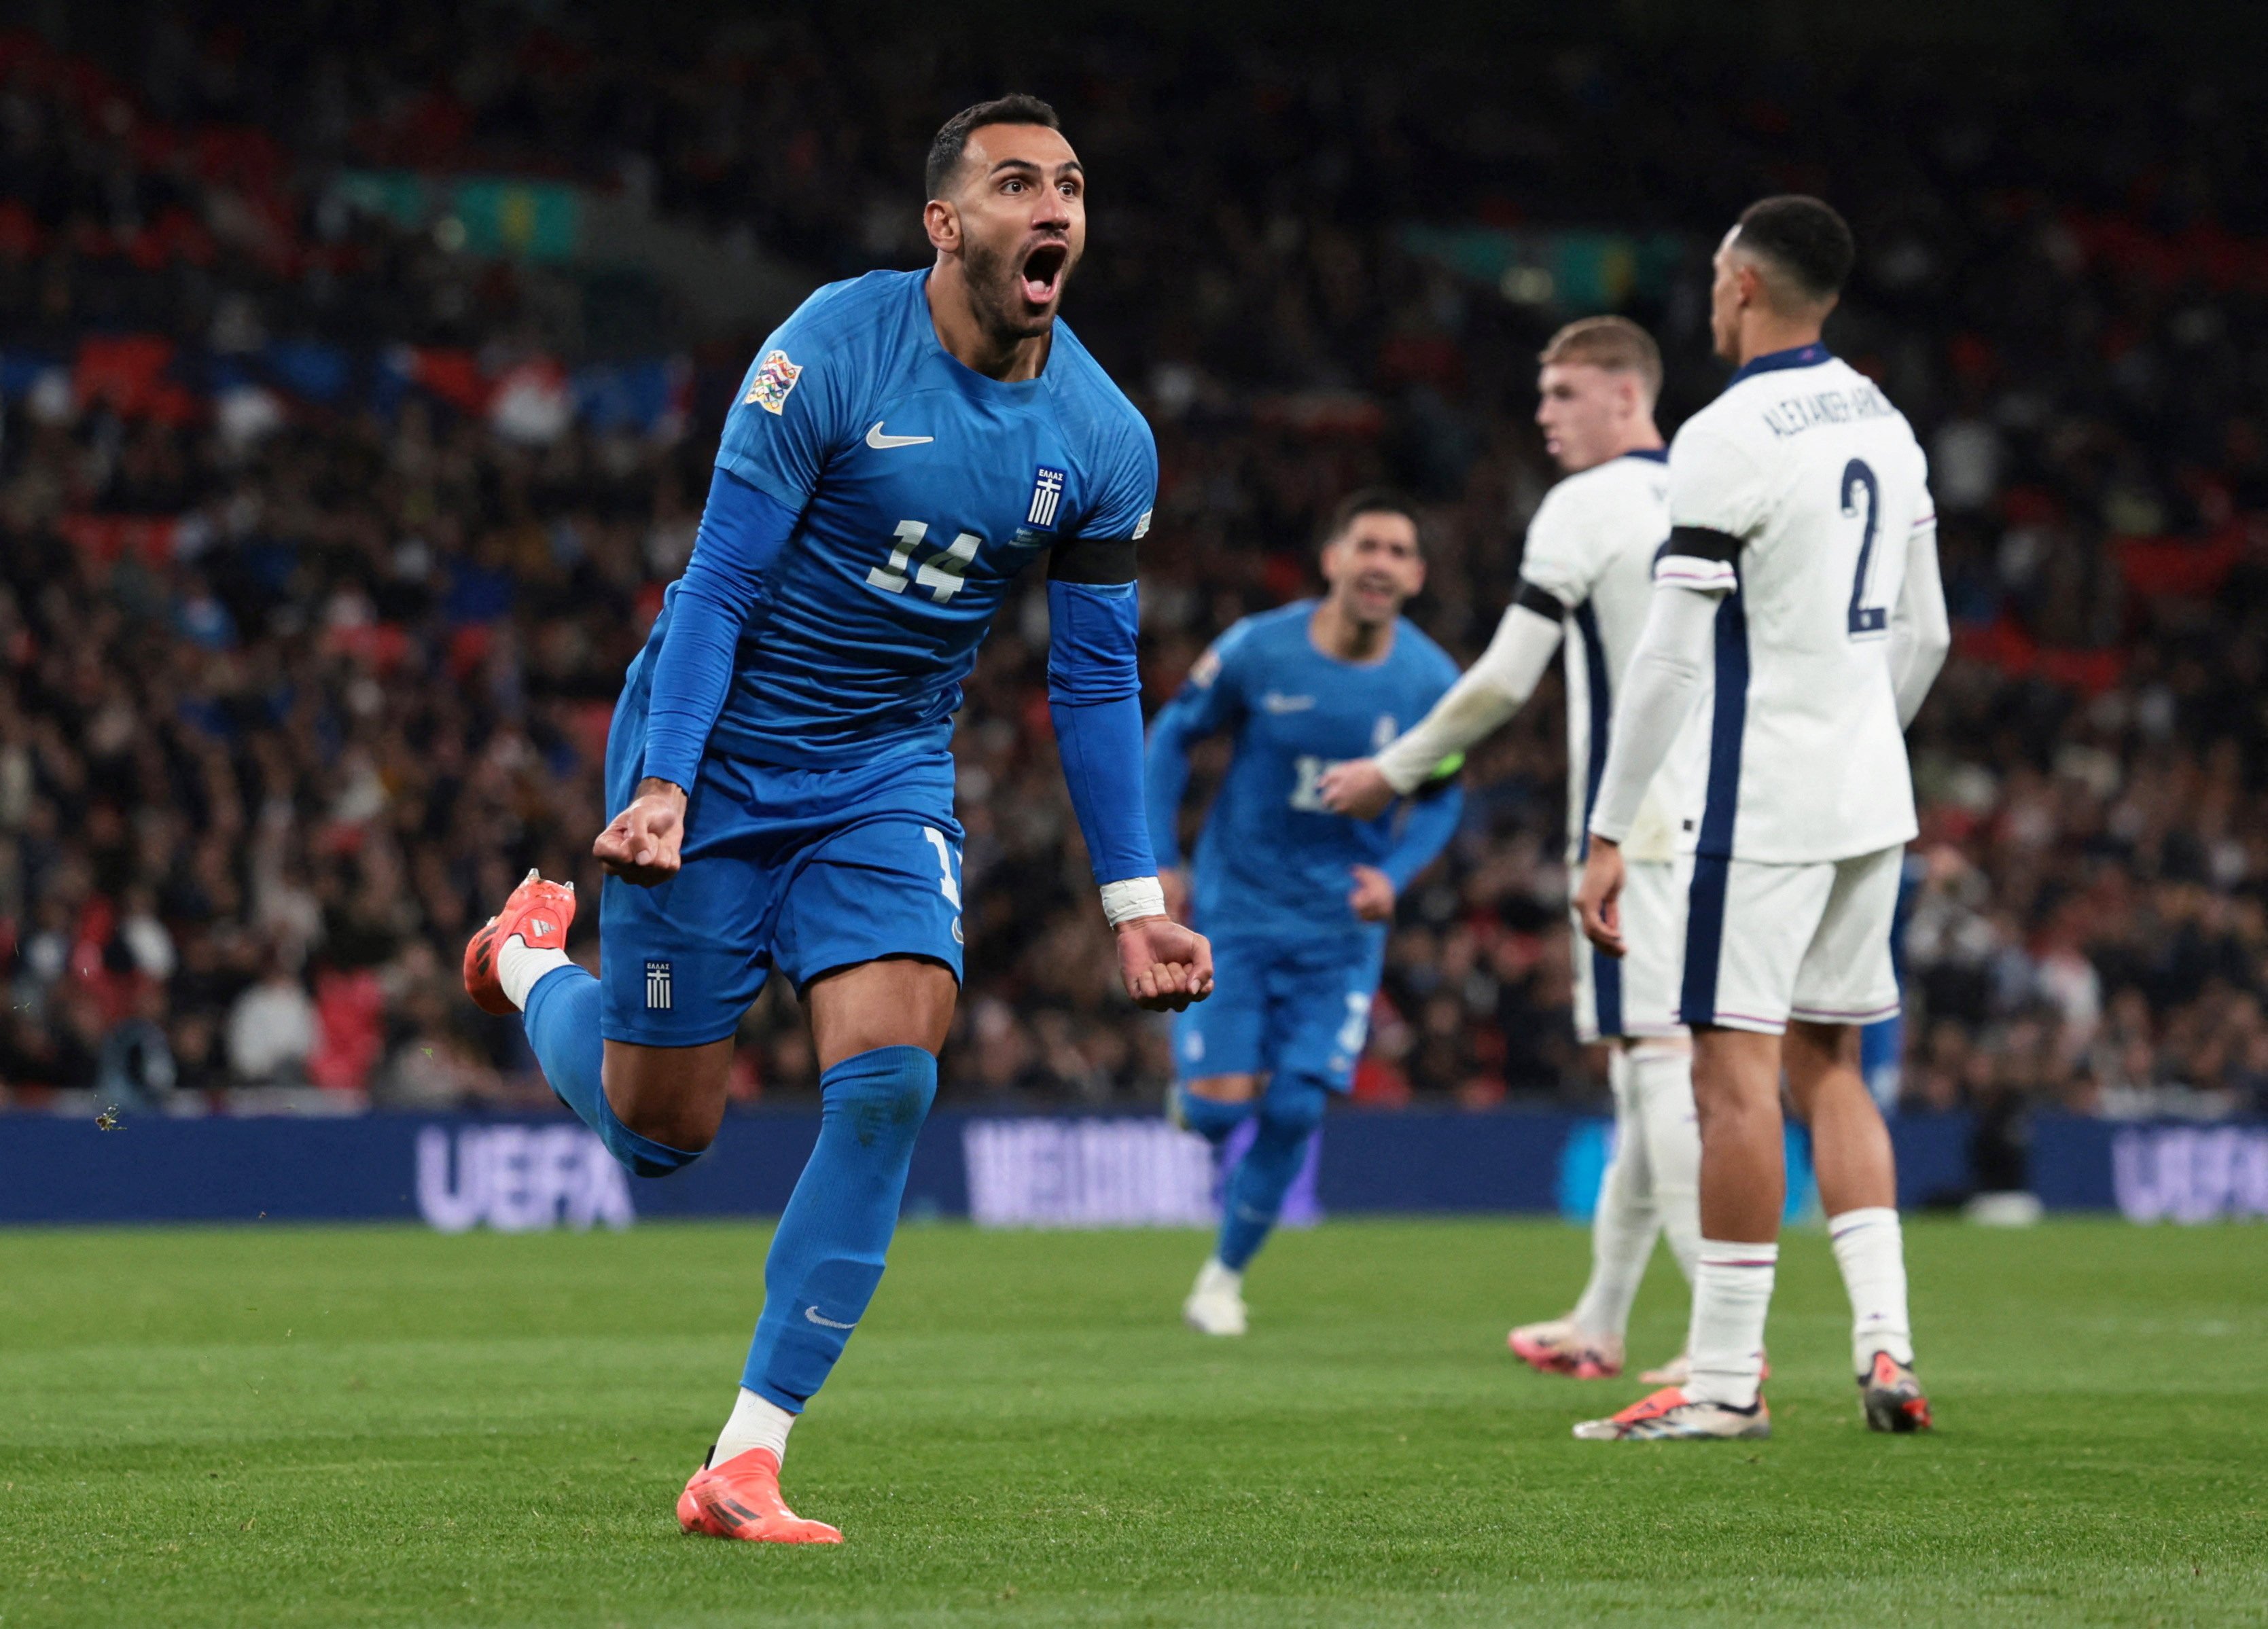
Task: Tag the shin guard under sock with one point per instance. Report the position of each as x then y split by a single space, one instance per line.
1732 1294
1870 1248
1289 1113
1624 1225
827 1255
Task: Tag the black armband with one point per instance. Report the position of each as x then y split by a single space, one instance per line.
1542 602
1098 562
1701 543
1442 782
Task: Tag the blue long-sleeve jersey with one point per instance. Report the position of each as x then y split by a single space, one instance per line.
1272 860
874 500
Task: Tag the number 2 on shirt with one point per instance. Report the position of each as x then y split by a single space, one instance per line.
1865 619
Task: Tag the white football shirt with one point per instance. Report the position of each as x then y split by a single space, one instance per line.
1815 488
1591 545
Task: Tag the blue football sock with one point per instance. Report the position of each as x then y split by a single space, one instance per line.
563 1028
827 1256
1209 1117
1289 1113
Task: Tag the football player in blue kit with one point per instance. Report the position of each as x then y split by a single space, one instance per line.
903 448
1296 900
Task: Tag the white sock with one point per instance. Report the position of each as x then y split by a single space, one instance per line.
1624 1226
1732 1293
1214 1276
1661 1089
519 968
1870 1248
757 1422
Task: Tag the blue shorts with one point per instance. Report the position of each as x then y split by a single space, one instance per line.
805 870
1298 1007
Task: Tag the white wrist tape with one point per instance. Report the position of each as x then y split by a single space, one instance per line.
1136 896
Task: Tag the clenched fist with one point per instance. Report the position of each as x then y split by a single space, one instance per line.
1166 965
641 846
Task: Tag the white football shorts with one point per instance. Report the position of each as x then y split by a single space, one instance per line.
1766 943
1637 995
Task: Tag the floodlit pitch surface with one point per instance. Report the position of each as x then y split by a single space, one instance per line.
298 1427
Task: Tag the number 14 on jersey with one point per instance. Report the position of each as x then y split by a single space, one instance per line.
942 574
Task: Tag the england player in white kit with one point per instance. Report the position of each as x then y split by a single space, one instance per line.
1586 574
1800 576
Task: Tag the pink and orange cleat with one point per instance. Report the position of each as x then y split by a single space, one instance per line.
1670 1414
1558 1347
1891 1396
741 1499
538 914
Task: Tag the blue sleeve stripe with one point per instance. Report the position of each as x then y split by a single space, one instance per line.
764 478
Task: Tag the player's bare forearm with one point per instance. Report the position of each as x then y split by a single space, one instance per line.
643 844
1598 897
1165 966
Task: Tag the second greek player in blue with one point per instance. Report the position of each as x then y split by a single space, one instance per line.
1296 900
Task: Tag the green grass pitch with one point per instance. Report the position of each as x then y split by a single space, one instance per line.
285 1427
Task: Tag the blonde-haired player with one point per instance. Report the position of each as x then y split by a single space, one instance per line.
1801 576
1587 575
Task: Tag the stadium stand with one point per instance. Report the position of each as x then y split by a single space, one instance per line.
340 480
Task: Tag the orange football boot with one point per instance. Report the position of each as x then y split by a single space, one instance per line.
1670 1414
741 1499
538 912
1891 1396
1559 1347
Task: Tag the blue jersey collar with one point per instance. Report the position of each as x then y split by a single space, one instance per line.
969 379
1307 637
1802 356
1652 455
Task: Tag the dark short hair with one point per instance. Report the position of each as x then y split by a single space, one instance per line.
1804 238
952 139
1371 501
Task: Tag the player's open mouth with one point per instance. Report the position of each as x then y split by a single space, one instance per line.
1043 271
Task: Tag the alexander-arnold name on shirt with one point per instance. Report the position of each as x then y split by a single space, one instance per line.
1791 416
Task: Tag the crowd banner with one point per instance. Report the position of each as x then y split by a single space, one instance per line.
1015 1170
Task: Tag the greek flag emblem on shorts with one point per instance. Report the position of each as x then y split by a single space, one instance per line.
657 986
1047 496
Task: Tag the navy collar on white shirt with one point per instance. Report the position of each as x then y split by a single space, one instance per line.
1801 356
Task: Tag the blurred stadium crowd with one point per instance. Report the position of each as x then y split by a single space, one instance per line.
323 542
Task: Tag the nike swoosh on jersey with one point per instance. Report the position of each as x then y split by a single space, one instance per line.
812 1313
1275 702
883 443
